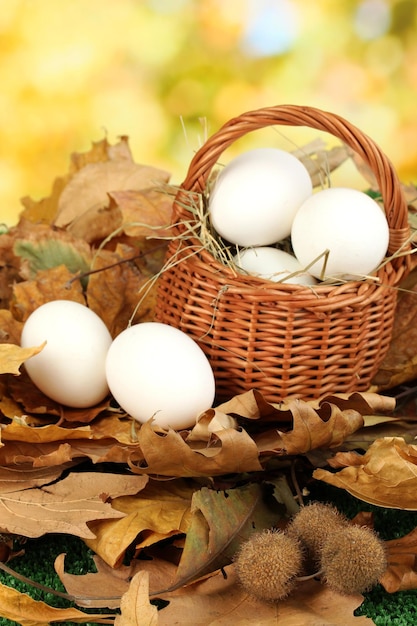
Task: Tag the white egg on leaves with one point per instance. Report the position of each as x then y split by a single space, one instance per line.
347 223
70 368
255 197
156 370
272 264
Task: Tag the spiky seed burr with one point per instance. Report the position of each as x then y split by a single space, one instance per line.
312 526
268 563
353 559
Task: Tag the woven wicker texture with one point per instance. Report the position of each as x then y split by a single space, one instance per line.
284 340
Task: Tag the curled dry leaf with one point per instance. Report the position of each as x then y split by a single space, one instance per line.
262 432
168 454
301 426
136 610
21 609
401 573
105 587
67 506
146 212
312 429
12 357
88 189
209 422
386 475
159 509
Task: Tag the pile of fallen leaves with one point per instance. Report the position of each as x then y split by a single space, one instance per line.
165 511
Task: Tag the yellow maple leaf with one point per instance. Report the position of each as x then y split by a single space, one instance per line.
12 357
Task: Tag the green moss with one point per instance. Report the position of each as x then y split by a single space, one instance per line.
37 564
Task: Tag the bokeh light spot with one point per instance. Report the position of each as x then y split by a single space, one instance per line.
271 29
372 19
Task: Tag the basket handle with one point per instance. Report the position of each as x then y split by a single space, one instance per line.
394 201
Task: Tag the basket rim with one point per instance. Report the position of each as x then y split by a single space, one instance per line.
321 296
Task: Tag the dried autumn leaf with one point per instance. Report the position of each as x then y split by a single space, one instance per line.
52 284
105 587
8 407
159 508
59 453
52 251
146 213
312 429
12 357
90 186
209 422
386 475
101 589
18 431
136 610
252 405
320 161
114 292
45 210
67 506
366 403
9 267
169 455
22 609
268 432
221 600
220 521
401 573
97 223
10 328
32 401
20 478
379 426
107 439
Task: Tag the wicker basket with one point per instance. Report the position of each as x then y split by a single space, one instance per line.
285 340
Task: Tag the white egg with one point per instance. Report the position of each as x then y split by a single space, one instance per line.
255 197
71 367
346 222
272 264
155 370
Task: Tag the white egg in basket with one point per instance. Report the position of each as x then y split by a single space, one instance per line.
255 197
347 223
272 264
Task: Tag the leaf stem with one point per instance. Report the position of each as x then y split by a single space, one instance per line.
88 273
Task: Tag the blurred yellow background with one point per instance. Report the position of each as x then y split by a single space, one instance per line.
167 72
